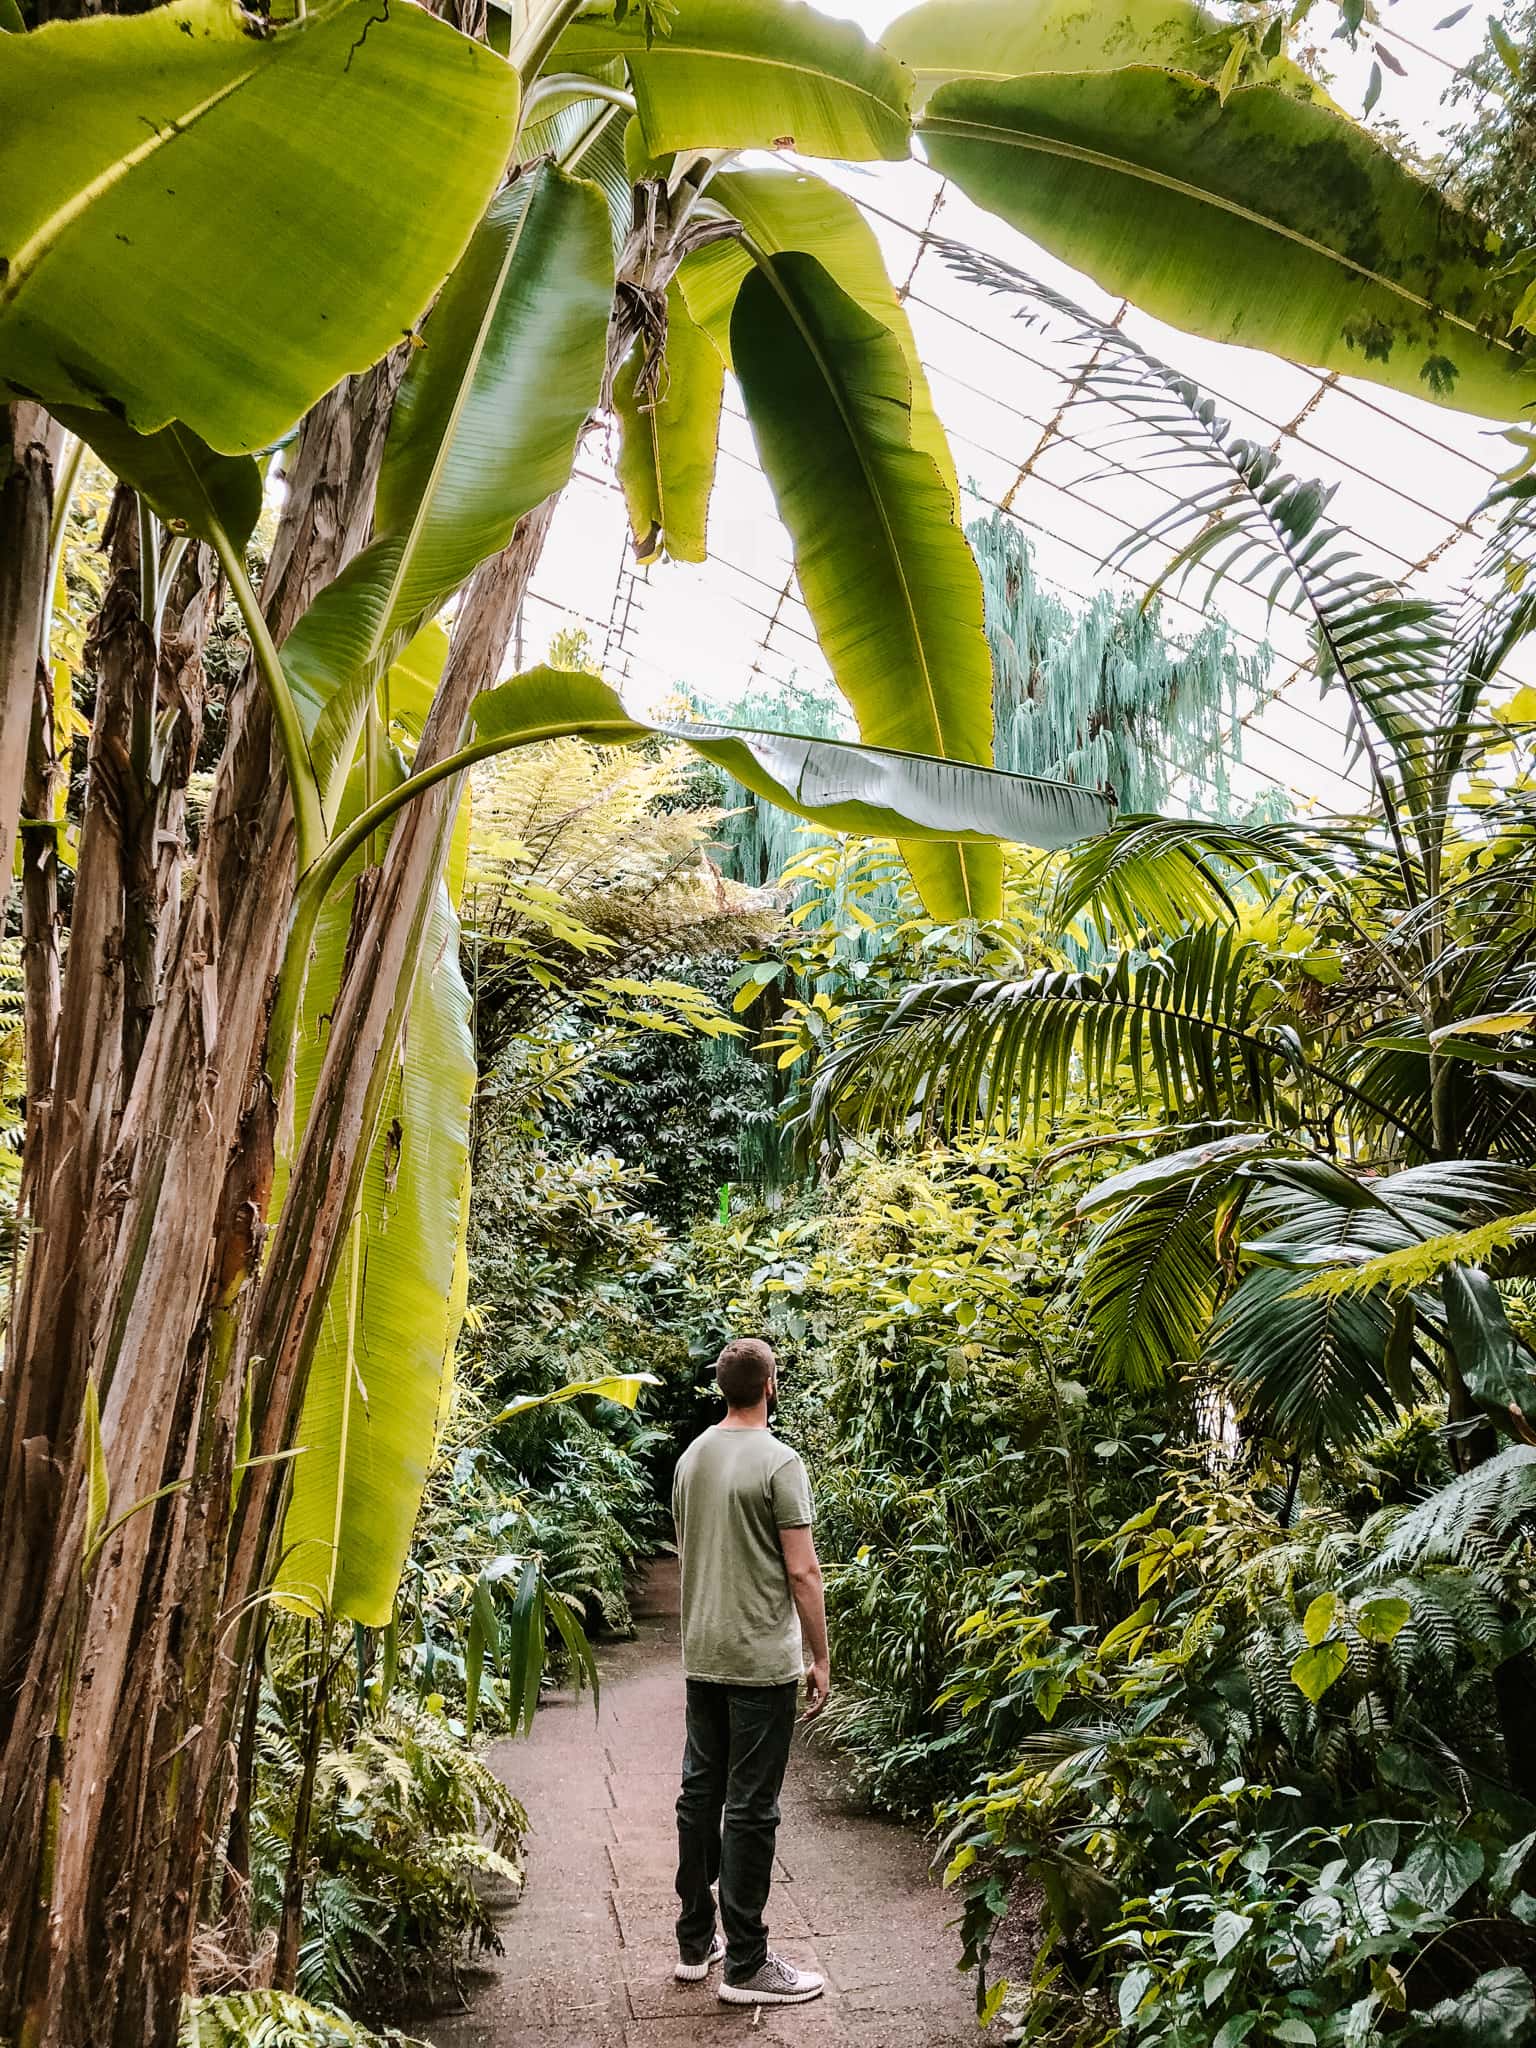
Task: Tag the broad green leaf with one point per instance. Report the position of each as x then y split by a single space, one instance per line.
945 40
842 786
1321 1616
883 566
783 209
666 463
753 74
208 219
1382 1617
483 430
176 473
1131 1990
1261 219
370 1412
1227 1930
1489 1356
1499 2011
1318 1668
1443 1867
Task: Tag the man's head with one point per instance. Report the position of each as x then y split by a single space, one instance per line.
745 1371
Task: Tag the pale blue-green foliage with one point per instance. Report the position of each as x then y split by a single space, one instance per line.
1103 697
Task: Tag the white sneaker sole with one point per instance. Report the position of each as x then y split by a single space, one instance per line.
695 1973
743 1994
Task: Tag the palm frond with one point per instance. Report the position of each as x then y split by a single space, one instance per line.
1150 1281
1246 518
1190 1026
1497 611
1157 875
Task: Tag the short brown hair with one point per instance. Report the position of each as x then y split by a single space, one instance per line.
743 1371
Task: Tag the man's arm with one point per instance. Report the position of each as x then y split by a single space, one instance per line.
804 1570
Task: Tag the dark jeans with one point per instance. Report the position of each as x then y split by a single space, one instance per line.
728 1816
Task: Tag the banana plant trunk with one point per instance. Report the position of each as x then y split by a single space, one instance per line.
149 1186
29 451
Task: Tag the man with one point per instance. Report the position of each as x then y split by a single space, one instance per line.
752 1608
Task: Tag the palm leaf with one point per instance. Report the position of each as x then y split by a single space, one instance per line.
1249 519
1189 1026
1151 1280
1157 875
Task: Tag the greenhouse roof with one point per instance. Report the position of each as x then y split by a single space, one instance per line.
1410 474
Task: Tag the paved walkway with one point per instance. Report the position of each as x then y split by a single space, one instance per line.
589 1950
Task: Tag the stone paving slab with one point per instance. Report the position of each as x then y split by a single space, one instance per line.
589 1949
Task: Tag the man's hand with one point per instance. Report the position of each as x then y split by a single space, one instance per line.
818 1683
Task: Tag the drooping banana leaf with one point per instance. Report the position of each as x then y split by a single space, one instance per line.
752 74
948 39
883 565
175 472
370 1413
206 218
837 784
484 429
1255 217
783 209
666 460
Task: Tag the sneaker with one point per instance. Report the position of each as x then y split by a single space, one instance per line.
776 1983
694 1973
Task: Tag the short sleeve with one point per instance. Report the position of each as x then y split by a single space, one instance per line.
791 1494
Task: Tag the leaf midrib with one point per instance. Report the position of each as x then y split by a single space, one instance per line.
962 129
845 410
674 47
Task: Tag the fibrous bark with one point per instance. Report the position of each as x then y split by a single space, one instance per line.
142 1239
29 449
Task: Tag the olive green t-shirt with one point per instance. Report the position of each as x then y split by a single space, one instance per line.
734 1491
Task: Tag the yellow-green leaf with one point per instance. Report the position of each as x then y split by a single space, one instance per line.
783 209
883 566
206 218
1318 1668
752 74
666 463
1262 219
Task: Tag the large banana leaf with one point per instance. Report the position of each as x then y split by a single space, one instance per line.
208 219
883 564
667 452
371 1408
179 475
947 39
834 783
484 428
783 209
752 74
1257 218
